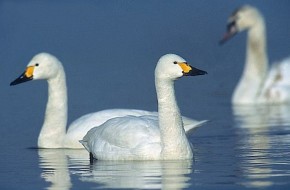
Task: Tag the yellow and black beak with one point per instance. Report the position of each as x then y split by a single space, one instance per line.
188 70
24 77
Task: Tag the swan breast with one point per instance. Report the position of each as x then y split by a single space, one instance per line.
125 138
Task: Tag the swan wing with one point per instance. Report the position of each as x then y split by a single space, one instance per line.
125 138
190 124
82 125
277 85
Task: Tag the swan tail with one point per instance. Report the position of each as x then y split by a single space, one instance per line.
191 128
84 143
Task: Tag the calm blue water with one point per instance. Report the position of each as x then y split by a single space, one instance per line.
109 50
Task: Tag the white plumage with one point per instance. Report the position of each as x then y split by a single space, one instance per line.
147 137
53 132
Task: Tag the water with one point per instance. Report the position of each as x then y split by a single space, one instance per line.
109 50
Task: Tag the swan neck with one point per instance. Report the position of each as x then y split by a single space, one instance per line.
173 139
55 121
256 66
256 48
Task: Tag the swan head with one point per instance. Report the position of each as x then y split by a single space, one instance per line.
42 66
172 67
243 18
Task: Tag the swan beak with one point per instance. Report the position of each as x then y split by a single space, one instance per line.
24 77
188 70
231 31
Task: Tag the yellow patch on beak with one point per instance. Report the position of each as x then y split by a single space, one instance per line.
185 67
29 71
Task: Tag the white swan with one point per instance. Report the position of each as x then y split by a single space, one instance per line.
146 137
257 84
53 133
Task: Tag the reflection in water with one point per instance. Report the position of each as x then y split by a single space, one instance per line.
260 127
140 174
255 155
55 165
59 164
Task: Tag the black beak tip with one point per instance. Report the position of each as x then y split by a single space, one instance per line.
15 82
20 80
202 72
195 72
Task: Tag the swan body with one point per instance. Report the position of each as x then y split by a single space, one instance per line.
78 129
53 133
147 137
258 84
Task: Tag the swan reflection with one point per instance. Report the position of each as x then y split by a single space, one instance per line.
263 129
59 164
55 165
140 174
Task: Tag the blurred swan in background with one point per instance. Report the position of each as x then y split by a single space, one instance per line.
258 84
146 137
53 132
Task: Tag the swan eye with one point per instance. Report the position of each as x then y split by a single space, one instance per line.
175 62
36 64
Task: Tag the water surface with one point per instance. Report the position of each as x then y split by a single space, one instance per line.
109 50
